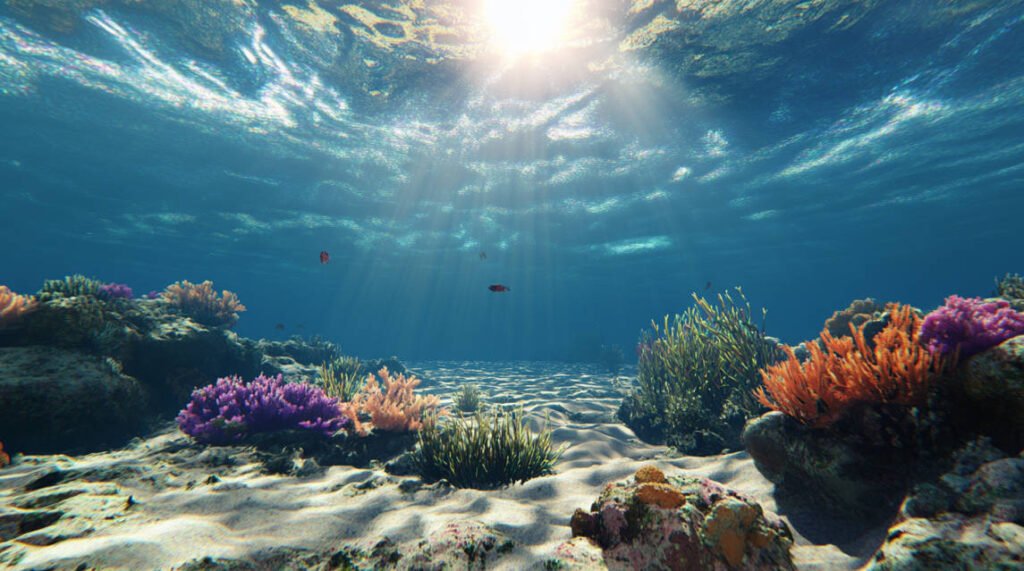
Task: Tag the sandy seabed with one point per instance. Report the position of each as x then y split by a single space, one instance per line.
188 503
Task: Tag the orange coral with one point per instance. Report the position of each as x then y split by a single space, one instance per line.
848 371
650 474
661 495
5 458
394 409
201 302
13 306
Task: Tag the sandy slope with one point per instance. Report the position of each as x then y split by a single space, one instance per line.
184 513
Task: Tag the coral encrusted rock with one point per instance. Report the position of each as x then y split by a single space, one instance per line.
56 400
678 522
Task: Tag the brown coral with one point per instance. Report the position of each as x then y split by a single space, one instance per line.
13 307
650 474
858 313
201 302
661 495
393 409
898 369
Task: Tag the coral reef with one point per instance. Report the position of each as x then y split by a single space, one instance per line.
970 518
1011 288
484 451
395 408
859 312
696 374
970 325
232 409
201 303
70 286
685 523
846 372
115 291
14 307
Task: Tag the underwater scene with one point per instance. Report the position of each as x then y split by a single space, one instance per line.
511 284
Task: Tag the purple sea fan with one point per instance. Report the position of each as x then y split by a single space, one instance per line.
231 409
116 291
970 324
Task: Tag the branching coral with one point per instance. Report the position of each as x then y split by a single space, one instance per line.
970 325
696 373
201 302
484 451
393 409
231 409
14 307
845 371
116 291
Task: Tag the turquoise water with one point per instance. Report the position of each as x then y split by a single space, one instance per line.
811 152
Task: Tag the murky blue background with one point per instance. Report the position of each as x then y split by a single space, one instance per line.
811 152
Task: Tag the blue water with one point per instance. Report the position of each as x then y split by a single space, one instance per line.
812 153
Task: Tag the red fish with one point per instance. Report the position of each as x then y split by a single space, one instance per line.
324 257
499 288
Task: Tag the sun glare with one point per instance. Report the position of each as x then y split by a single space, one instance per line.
527 26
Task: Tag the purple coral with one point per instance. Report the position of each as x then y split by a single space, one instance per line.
231 409
970 324
116 291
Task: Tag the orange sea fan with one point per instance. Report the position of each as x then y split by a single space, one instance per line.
201 302
848 371
395 408
13 306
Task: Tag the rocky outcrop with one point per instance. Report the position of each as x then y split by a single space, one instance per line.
994 385
971 518
654 522
57 400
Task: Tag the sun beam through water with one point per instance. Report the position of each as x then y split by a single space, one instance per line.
521 27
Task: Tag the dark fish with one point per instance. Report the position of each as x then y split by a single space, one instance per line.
324 257
279 327
499 288
483 255
707 287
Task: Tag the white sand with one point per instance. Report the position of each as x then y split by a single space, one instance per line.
181 517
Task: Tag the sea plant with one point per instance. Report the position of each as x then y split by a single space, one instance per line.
843 372
115 291
696 373
231 409
468 399
14 307
970 325
201 303
393 408
71 286
341 378
484 451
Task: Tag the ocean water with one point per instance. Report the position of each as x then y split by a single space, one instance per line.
608 158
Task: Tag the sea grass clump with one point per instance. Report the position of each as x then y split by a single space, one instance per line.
342 377
696 374
468 399
71 286
484 451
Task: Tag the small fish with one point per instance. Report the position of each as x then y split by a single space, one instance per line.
707 286
498 288
324 257
483 255
279 327
301 326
